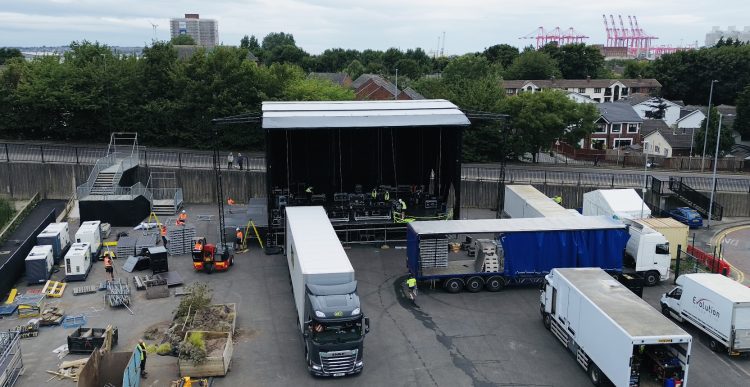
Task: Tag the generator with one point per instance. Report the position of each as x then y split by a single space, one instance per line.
39 264
56 235
91 233
78 262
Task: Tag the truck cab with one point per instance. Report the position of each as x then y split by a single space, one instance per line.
647 252
335 329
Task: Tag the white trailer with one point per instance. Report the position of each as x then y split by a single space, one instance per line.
91 233
717 305
617 203
329 314
525 201
613 334
78 262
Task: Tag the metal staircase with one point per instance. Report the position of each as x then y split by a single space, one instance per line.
122 155
105 183
166 196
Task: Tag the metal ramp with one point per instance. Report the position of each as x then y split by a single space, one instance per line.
166 195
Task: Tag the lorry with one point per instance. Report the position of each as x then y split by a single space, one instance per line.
647 252
526 250
329 314
715 304
613 334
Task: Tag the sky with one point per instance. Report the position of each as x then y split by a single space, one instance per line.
469 25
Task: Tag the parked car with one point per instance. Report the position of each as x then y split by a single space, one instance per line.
688 216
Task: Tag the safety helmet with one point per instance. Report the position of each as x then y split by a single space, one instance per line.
183 211
237 229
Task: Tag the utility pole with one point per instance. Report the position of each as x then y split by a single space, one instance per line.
395 95
708 120
713 178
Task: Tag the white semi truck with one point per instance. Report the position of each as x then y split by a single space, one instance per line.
330 317
717 305
613 334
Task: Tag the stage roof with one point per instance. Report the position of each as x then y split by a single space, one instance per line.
361 114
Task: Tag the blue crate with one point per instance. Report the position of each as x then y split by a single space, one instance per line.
75 321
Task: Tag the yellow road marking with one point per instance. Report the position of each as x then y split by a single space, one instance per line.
718 239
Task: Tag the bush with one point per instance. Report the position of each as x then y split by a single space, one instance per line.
164 349
198 297
194 348
6 212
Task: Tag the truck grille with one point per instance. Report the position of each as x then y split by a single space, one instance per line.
337 363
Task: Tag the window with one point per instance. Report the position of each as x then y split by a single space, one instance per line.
656 148
601 128
597 100
510 91
645 145
581 90
597 90
666 151
607 99
528 88
620 142
616 128
632 128
597 144
554 300
676 293
662 248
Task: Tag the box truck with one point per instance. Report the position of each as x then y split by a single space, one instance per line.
78 262
717 305
613 334
527 249
329 314
91 233
39 264
56 235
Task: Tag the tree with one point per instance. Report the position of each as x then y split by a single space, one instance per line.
315 89
533 65
742 121
726 141
542 117
278 39
659 109
636 69
7 54
409 68
390 57
355 69
285 54
183 40
502 54
576 61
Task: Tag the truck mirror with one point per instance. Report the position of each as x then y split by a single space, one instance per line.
367 325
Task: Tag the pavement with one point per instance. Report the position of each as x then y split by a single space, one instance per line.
465 339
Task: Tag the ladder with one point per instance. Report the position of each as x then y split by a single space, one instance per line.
255 231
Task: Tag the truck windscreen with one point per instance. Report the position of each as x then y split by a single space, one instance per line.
326 333
662 248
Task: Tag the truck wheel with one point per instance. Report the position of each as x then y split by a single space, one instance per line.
665 311
495 284
715 346
453 285
474 284
547 321
595 374
652 278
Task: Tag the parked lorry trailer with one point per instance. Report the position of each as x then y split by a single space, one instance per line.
613 334
525 201
648 251
525 250
329 313
715 304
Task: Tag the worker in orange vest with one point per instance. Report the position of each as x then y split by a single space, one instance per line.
238 239
182 218
108 268
230 201
163 232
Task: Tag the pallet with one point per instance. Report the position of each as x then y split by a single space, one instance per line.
54 288
85 290
75 321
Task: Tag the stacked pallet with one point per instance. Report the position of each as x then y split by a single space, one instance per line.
52 315
433 252
146 240
180 239
126 246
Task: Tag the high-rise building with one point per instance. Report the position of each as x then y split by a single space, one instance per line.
205 32
713 36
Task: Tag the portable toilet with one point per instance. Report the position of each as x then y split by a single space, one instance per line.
39 264
78 262
56 235
90 232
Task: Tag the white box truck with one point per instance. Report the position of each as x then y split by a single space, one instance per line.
717 305
91 233
78 262
647 252
525 201
330 317
56 235
613 334
617 203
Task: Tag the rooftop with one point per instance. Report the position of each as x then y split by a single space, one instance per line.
615 112
576 83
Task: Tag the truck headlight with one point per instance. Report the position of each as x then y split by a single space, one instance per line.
320 314
355 312
358 364
316 367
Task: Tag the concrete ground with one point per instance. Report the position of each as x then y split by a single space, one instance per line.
482 339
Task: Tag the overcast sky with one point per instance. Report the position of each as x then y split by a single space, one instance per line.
470 25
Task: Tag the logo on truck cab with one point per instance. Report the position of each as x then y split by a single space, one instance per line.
707 306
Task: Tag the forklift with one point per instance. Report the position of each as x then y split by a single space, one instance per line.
208 258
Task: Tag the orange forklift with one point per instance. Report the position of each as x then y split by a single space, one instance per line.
207 257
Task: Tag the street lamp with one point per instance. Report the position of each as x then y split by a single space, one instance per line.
708 118
713 178
645 167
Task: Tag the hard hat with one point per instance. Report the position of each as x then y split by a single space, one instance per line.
183 211
238 229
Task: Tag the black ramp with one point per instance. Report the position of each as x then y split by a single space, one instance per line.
130 264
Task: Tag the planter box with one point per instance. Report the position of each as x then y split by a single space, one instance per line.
210 309
217 365
85 340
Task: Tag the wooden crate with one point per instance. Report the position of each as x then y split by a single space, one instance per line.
213 365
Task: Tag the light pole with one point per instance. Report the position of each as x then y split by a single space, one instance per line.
713 178
645 167
708 118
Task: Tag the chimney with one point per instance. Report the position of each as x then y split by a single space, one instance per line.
588 78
